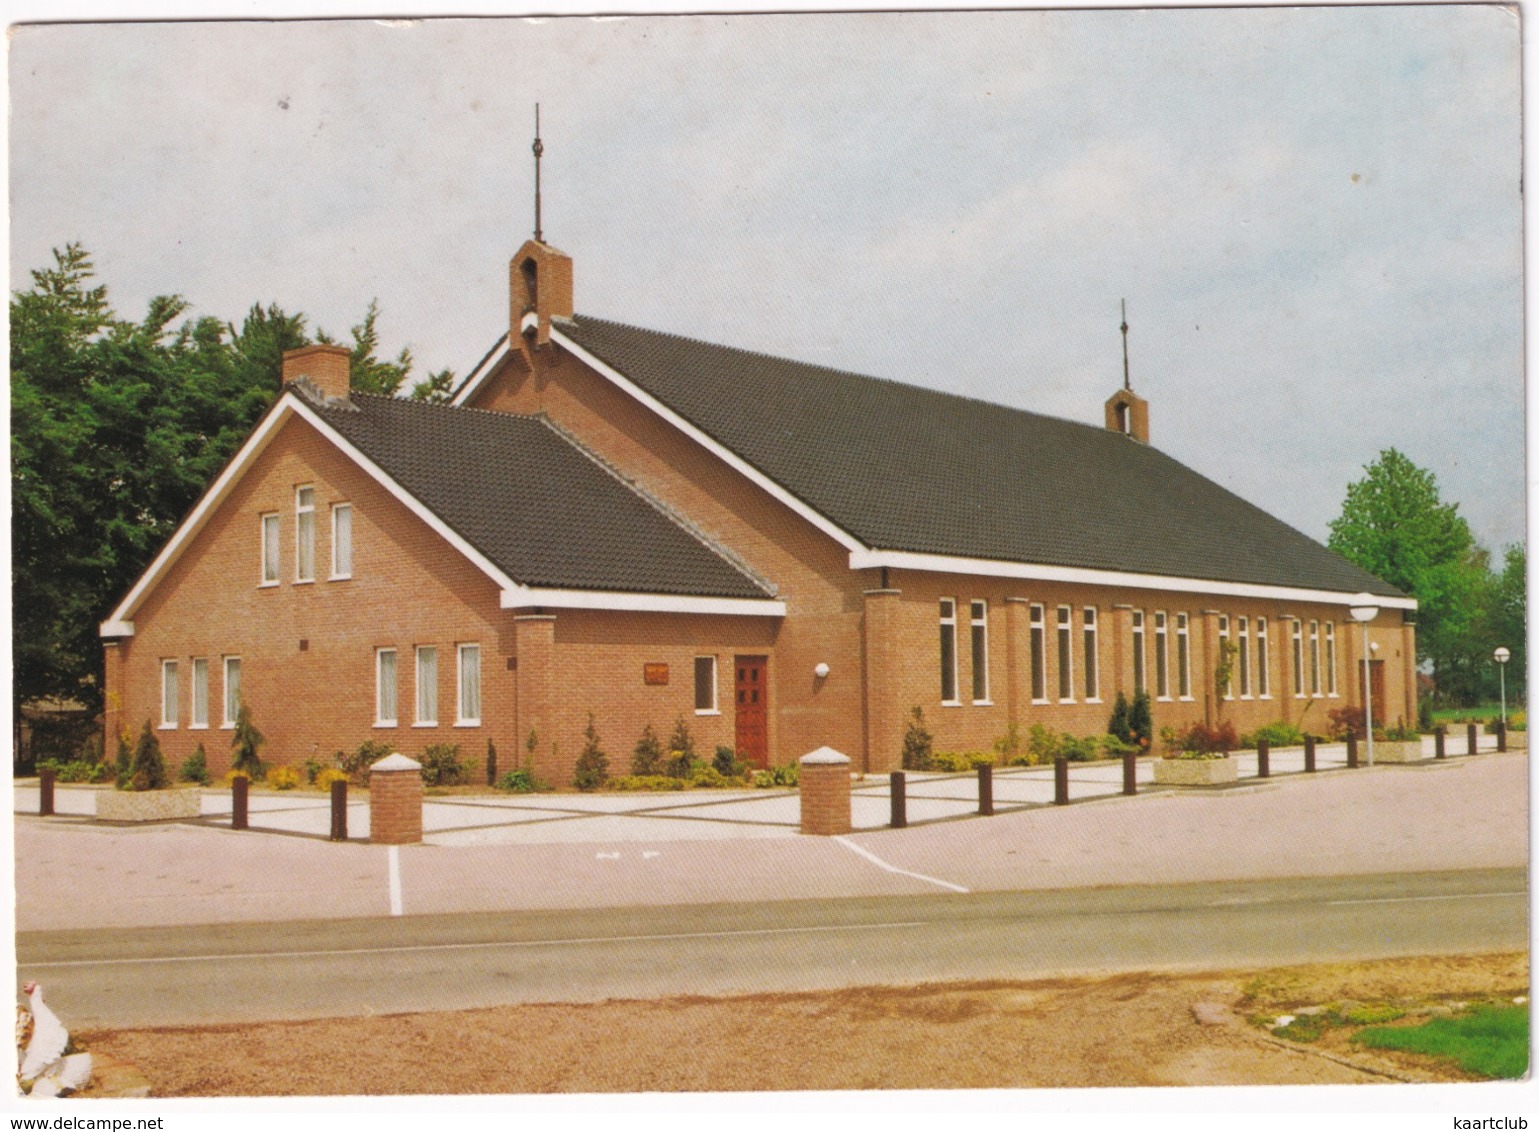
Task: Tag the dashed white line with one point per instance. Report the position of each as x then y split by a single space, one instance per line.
395 880
881 864
1411 899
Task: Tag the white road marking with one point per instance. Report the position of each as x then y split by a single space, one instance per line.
223 958
881 864
607 856
648 854
395 880
1408 899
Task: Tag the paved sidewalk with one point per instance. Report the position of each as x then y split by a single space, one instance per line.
566 851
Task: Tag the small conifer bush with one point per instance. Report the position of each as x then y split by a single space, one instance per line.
592 765
647 759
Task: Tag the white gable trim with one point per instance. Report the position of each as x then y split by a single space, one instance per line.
726 455
478 375
947 564
521 597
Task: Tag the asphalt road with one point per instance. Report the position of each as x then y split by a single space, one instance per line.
324 968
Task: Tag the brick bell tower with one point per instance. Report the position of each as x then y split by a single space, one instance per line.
1126 411
539 276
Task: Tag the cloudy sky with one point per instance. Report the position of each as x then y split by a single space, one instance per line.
1313 214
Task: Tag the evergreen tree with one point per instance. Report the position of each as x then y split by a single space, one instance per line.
491 763
648 757
246 742
148 771
918 743
681 750
592 764
1118 725
1141 721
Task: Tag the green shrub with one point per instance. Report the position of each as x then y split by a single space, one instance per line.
1113 747
788 775
1118 723
1141 721
148 770
441 765
1398 734
681 751
520 782
331 774
1372 1015
76 770
1009 747
647 759
1201 739
918 743
312 767
954 762
246 742
641 782
1424 720
356 763
283 778
125 759
708 777
727 763
592 765
491 763
195 767
1277 734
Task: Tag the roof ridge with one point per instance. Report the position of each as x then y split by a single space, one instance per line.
433 406
672 514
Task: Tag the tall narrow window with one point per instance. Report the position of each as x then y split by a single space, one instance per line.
1298 659
169 705
1227 691
304 534
341 541
1092 658
705 685
231 690
385 712
1314 658
980 628
1038 656
1330 657
1065 653
427 686
1161 657
469 685
1183 656
1242 628
1140 676
269 550
199 693
1263 662
948 650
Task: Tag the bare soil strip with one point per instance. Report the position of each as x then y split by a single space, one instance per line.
1121 1030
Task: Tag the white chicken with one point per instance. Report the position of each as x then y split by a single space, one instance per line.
46 1070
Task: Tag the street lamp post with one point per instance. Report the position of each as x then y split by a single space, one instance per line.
1503 655
1364 609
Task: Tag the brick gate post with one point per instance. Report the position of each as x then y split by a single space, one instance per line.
825 792
395 801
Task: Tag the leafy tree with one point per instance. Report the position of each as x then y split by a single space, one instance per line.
1508 614
367 373
592 765
436 390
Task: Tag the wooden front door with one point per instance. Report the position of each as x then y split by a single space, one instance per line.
753 709
1376 682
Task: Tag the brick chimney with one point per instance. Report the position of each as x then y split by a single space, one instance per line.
1128 413
539 284
325 369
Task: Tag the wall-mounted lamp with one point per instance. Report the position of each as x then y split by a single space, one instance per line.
821 671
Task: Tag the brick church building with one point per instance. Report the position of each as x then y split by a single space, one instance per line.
643 527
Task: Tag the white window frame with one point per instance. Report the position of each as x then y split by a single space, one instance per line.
381 719
199 707
1223 639
1092 633
461 718
170 696
1297 638
979 644
272 554
426 714
1316 685
341 571
1161 655
230 706
1140 655
1184 656
304 521
1242 635
948 630
1039 654
1330 659
1065 639
714 708
1263 662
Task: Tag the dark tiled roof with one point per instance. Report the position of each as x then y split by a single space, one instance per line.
904 468
532 502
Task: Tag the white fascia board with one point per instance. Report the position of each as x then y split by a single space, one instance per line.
474 381
946 564
520 597
288 404
726 455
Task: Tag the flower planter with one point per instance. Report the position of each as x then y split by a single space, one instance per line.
1195 772
148 805
1397 751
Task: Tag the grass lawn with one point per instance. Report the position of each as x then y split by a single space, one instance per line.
1482 712
1491 1041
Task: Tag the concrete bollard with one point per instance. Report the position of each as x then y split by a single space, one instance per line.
239 789
339 810
1439 741
1474 738
897 785
1501 736
1309 754
986 790
1060 781
45 777
395 801
1130 773
1263 759
825 792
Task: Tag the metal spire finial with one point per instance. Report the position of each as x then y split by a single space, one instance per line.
539 149
1126 382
